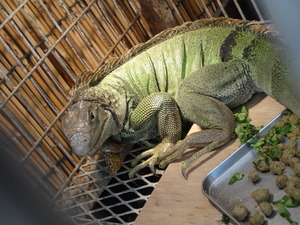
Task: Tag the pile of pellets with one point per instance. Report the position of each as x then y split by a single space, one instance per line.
277 150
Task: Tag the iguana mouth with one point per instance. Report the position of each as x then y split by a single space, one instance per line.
83 145
80 143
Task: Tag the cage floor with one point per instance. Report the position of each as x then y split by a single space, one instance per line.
115 199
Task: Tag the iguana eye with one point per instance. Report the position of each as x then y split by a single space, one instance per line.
92 114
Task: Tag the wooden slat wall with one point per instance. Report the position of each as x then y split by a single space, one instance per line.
44 46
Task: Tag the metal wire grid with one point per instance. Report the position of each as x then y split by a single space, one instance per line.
19 65
120 201
19 84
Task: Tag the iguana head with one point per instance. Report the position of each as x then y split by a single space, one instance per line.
87 125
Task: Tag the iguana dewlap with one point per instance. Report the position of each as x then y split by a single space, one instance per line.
196 72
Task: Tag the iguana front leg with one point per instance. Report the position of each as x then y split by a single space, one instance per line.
159 108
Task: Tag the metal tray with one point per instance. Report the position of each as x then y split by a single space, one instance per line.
224 196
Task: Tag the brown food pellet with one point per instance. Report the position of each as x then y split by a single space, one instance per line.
261 195
253 176
240 212
266 208
281 181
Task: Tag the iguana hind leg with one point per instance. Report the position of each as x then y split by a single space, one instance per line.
217 121
203 98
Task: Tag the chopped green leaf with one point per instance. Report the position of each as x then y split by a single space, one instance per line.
286 112
264 158
236 177
282 210
286 201
285 129
242 115
275 153
244 130
296 124
225 219
285 213
272 139
252 140
259 143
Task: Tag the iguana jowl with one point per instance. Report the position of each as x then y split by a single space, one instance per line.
196 72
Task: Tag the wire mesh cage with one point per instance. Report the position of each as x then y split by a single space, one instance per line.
44 46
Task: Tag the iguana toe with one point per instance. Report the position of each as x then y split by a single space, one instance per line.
184 172
173 153
141 156
184 169
152 166
155 155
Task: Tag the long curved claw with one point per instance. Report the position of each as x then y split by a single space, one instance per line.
184 173
184 167
152 166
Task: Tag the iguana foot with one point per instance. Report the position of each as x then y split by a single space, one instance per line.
165 153
155 155
205 141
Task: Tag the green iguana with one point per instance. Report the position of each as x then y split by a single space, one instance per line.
196 72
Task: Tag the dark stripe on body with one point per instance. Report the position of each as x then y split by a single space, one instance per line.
228 45
202 53
248 51
183 61
154 75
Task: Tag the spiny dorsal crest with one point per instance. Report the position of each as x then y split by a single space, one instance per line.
83 79
92 79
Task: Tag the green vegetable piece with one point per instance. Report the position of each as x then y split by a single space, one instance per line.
225 219
244 130
286 112
236 177
275 153
296 124
285 129
259 143
288 202
241 115
285 213
264 158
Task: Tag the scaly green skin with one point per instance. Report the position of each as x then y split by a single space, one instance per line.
196 72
